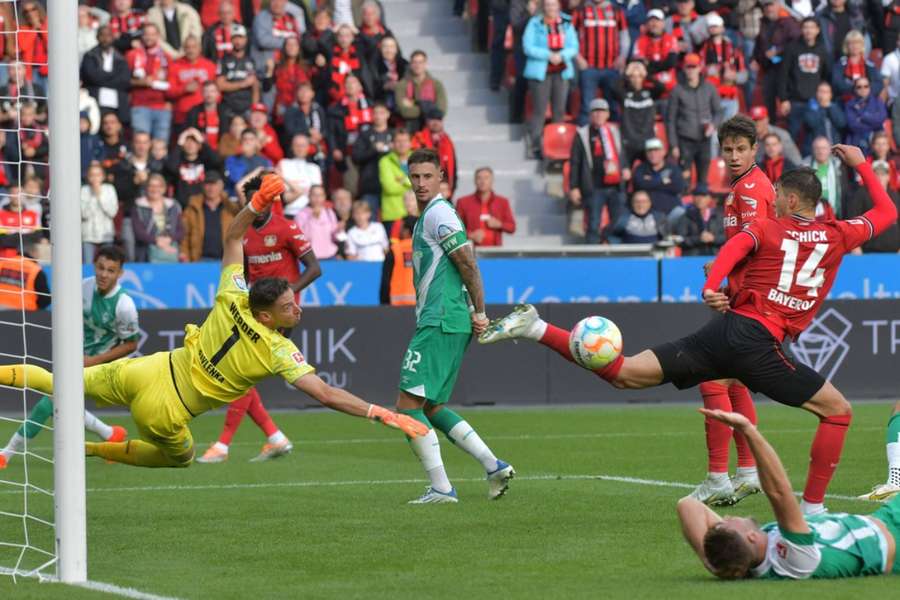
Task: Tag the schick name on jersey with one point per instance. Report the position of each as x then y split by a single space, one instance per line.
809 236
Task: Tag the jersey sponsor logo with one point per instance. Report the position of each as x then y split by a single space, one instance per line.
808 236
731 221
239 282
790 301
264 259
823 345
270 240
751 202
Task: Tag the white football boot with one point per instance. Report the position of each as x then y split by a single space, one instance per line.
432 496
498 480
512 326
745 485
714 492
881 492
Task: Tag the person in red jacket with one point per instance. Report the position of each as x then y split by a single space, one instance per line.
433 136
659 49
151 111
485 214
186 79
32 42
268 139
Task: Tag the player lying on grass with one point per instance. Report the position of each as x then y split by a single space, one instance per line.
111 331
795 546
237 346
891 487
791 263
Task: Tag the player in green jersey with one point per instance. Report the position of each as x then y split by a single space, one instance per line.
444 269
795 546
111 331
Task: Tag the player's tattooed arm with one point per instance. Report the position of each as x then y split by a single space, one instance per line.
696 519
467 265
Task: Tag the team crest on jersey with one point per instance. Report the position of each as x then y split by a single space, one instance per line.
781 549
270 240
239 282
298 358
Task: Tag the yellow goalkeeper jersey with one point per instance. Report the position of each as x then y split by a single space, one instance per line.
231 351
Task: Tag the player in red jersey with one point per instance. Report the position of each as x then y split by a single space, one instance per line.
792 261
752 197
273 247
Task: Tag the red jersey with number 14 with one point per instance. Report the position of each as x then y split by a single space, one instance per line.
274 249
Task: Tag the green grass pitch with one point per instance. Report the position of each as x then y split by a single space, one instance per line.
331 520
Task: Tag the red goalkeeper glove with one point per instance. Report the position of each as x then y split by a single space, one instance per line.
407 424
272 187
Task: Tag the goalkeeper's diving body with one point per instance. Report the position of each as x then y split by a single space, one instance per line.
236 346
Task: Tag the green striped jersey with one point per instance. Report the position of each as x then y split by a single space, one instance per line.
108 320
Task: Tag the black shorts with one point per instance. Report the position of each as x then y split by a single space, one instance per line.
732 346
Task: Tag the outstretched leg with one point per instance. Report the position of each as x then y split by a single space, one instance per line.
218 451
138 453
428 450
33 425
834 414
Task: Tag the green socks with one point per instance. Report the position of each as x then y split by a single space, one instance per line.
39 415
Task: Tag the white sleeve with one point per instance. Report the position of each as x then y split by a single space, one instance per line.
792 559
443 226
127 326
350 249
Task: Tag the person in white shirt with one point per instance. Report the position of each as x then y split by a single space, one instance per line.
890 72
299 175
365 241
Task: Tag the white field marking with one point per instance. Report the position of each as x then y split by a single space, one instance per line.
98 586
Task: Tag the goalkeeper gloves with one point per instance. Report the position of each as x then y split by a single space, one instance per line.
271 188
407 424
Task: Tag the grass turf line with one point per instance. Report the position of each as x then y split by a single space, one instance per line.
573 537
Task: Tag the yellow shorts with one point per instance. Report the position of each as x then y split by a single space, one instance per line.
145 386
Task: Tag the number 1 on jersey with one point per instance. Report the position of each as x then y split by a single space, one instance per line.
809 276
226 346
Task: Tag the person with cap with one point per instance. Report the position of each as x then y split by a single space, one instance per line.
598 171
435 137
268 139
206 219
861 201
603 45
760 116
775 33
485 214
660 178
693 113
186 166
723 65
236 76
658 49
186 77
806 63
701 228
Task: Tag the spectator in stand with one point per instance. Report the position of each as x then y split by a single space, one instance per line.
702 226
658 49
365 241
760 116
418 91
217 38
693 115
890 71
831 173
319 223
176 21
485 214
89 108
34 198
125 24
310 119
658 177
106 75
299 176
241 10
499 24
113 152
598 170
411 206
373 143
230 141
17 89
287 75
186 166
889 240
187 76
89 143
31 40
393 175
881 151
15 217
390 68
318 41
205 220
774 163
852 66
33 146
520 12
866 114
268 139
249 159
206 116
99 206
236 76
603 45
806 63
639 110
682 23
350 115
776 32
149 64
891 34
723 65
397 272
281 20
371 28
825 117
342 202
836 20
350 12
157 225
434 136
136 168
642 224
749 19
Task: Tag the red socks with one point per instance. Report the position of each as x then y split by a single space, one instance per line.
249 403
824 456
742 402
260 415
718 434
558 339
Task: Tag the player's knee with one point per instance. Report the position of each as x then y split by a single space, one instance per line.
829 402
182 461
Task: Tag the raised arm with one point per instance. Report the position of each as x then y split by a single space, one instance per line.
233 244
464 259
883 212
696 519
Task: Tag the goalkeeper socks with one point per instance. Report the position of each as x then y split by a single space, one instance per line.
893 449
718 434
233 417
92 423
260 415
461 433
824 456
742 402
428 449
20 376
16 444
133 452
39 415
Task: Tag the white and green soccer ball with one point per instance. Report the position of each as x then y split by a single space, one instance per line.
595 342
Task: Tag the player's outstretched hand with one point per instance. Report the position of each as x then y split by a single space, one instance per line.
271 188
851 156
735 420
480 323
405 423
715 300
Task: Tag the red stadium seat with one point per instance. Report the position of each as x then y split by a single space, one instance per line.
567 169
889 129
717 177
660 128
558 141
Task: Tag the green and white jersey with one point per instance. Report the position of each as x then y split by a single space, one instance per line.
839 545
108 320
441 298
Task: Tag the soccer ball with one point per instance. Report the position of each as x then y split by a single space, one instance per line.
595 342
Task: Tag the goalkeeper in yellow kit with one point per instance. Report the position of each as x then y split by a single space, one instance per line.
237 346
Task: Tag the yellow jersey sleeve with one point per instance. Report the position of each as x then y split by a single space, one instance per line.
287 361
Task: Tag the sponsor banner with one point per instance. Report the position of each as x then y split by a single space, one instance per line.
856 344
